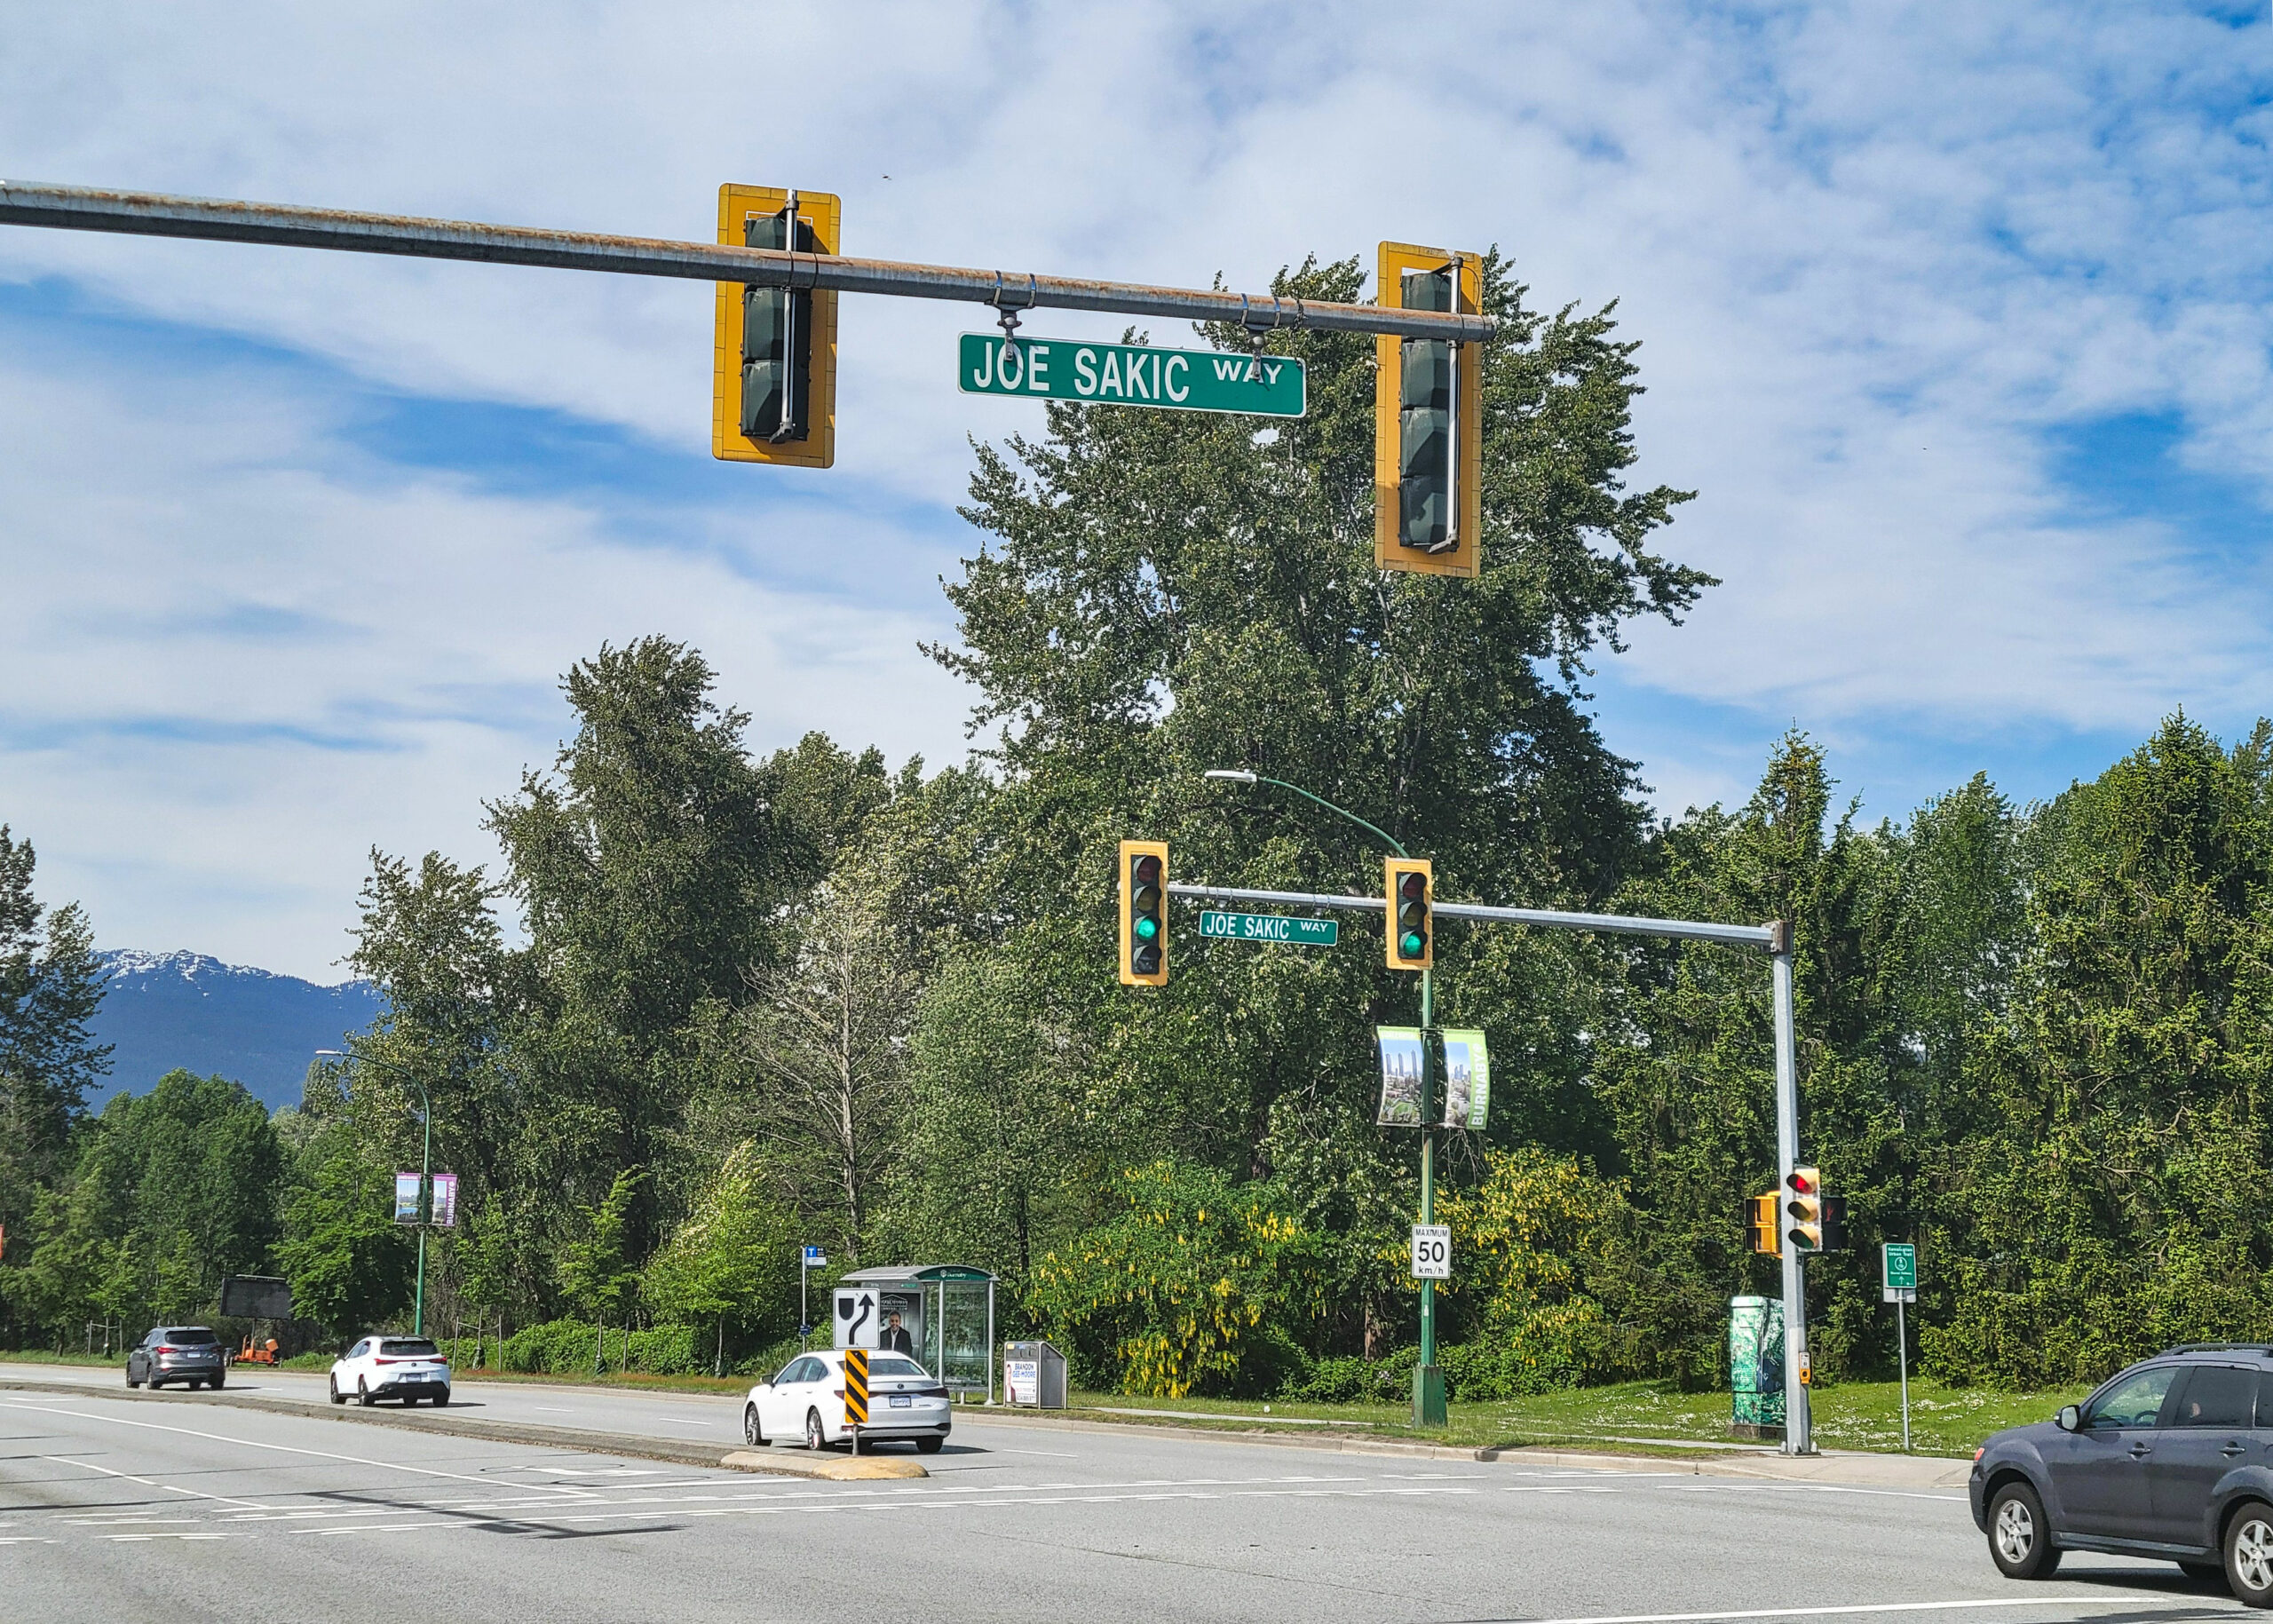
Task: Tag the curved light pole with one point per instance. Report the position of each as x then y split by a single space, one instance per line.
1428 1381
425 1170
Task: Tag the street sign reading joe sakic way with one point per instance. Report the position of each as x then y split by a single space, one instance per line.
1131 375
1269 928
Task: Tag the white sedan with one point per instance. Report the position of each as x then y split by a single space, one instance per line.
405 1367
906 1404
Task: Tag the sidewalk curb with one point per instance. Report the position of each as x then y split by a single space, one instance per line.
832 1468
1918 1471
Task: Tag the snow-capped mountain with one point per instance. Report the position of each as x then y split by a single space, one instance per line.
161 1010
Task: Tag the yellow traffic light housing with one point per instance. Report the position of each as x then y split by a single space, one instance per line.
1428 420
1804 1209
1762 1233
1409 885
1144 913
773 369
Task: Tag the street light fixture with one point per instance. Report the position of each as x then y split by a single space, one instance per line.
425 1170
1428 1381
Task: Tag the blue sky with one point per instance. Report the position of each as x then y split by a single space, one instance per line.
1956 317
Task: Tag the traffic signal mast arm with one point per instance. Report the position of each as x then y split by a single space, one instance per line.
1626 925
153 214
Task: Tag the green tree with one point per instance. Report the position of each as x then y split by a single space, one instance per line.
50 984
729 1259
594 1270
350 1265
2116 1201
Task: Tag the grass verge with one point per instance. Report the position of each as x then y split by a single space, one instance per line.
1647 1416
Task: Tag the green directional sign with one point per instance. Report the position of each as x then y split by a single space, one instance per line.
1901 1265
1131 375
1269 928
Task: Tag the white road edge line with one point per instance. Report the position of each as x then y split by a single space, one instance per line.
320 1455
1826 1612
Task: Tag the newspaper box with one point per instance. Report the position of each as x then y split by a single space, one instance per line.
1034 1376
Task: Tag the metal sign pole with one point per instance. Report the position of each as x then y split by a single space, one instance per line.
1902 1364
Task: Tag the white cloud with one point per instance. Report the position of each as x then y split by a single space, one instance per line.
1875 253
239 654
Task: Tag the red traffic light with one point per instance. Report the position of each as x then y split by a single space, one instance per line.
1802 1181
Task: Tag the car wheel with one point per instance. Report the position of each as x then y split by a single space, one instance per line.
753 1430
441 1398
815 1438
132 1379
336 1396
218 1382
363 1393
929 1445
2249 1555
2020 1541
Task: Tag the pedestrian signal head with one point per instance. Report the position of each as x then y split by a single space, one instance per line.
1804 1209
1144 913
1763 1233
1412 924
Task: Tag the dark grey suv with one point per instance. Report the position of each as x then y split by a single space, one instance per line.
178 1353
2172 1458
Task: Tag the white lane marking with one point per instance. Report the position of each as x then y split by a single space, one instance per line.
2174 1603
144 1539
230 1500
320 1455
25 1539
551 1409
1055 1455
676 1422
380 1528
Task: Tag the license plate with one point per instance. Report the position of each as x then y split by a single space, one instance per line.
901 1401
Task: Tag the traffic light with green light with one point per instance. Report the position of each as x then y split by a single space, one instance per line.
1407 882
1144 913
1804 1209
773 385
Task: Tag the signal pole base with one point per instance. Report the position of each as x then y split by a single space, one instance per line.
1428 1396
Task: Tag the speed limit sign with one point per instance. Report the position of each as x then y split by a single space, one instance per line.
1432 1252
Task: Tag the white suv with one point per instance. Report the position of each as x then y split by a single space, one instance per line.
906 1404
405 1367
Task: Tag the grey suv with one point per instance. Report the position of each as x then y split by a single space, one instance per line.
178 1353
2171 1458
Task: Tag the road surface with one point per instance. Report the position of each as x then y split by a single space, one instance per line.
188 1510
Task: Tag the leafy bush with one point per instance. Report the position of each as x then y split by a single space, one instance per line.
1188 1291
1540 1244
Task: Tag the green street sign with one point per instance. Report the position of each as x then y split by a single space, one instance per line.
1131 375
1901 1259
1269 928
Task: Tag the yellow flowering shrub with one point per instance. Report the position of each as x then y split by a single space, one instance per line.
1187 1290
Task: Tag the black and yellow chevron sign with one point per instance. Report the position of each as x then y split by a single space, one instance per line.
856 1386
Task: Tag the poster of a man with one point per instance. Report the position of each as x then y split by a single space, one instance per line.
894 1338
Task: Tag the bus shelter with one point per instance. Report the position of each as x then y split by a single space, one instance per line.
945 1312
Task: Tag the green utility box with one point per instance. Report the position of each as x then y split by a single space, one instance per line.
1756 1368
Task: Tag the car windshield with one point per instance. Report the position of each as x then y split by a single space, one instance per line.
410 1349
895 1367
191 1335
